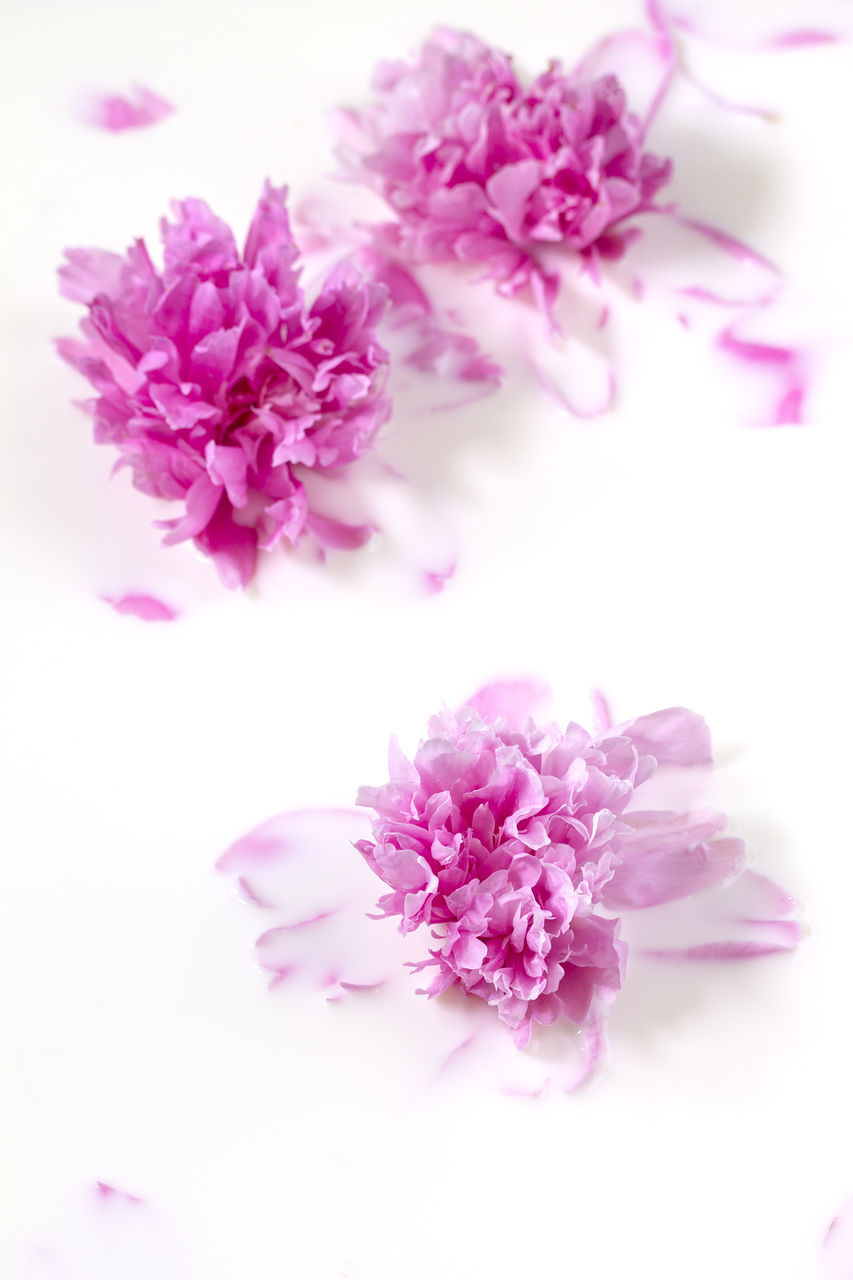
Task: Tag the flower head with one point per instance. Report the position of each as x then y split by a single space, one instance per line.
218 383
479 168
519 847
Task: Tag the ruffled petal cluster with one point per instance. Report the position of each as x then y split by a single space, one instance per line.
479 168
518 847
219 384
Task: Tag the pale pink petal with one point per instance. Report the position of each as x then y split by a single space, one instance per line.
665 856
136 110
299 870
749 917
675 736
512 701
435 579
836 1256
147 608
754 27
337 534
88 272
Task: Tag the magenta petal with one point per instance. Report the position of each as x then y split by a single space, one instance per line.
136 110
228 466
147 608
202 501
232 547
269 232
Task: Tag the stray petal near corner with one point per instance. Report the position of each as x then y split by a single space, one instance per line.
736 26
836 1255
106 1190
146 608
784 368
102 1231
435 580
746 919
300 870
117 112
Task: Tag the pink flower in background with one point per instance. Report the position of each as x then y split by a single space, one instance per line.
519 847
479 168
220 385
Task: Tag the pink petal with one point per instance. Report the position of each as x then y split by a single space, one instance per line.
337 534
147 608
299 869
836 1261
88 272
509 189
141 107
665 856
675 736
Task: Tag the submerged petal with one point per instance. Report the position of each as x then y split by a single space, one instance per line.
664 856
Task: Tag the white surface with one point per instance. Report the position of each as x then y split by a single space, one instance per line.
663 553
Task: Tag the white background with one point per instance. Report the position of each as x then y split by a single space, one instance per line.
665 553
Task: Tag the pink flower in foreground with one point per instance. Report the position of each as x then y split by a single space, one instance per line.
221 387
479 168
519 848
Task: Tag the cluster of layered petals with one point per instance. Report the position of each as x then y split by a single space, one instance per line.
519 847
479 168
218 383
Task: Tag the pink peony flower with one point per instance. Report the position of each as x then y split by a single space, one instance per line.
220 386
518 848
478 168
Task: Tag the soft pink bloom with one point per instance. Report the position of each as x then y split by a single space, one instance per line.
478 167
220 385
520 847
